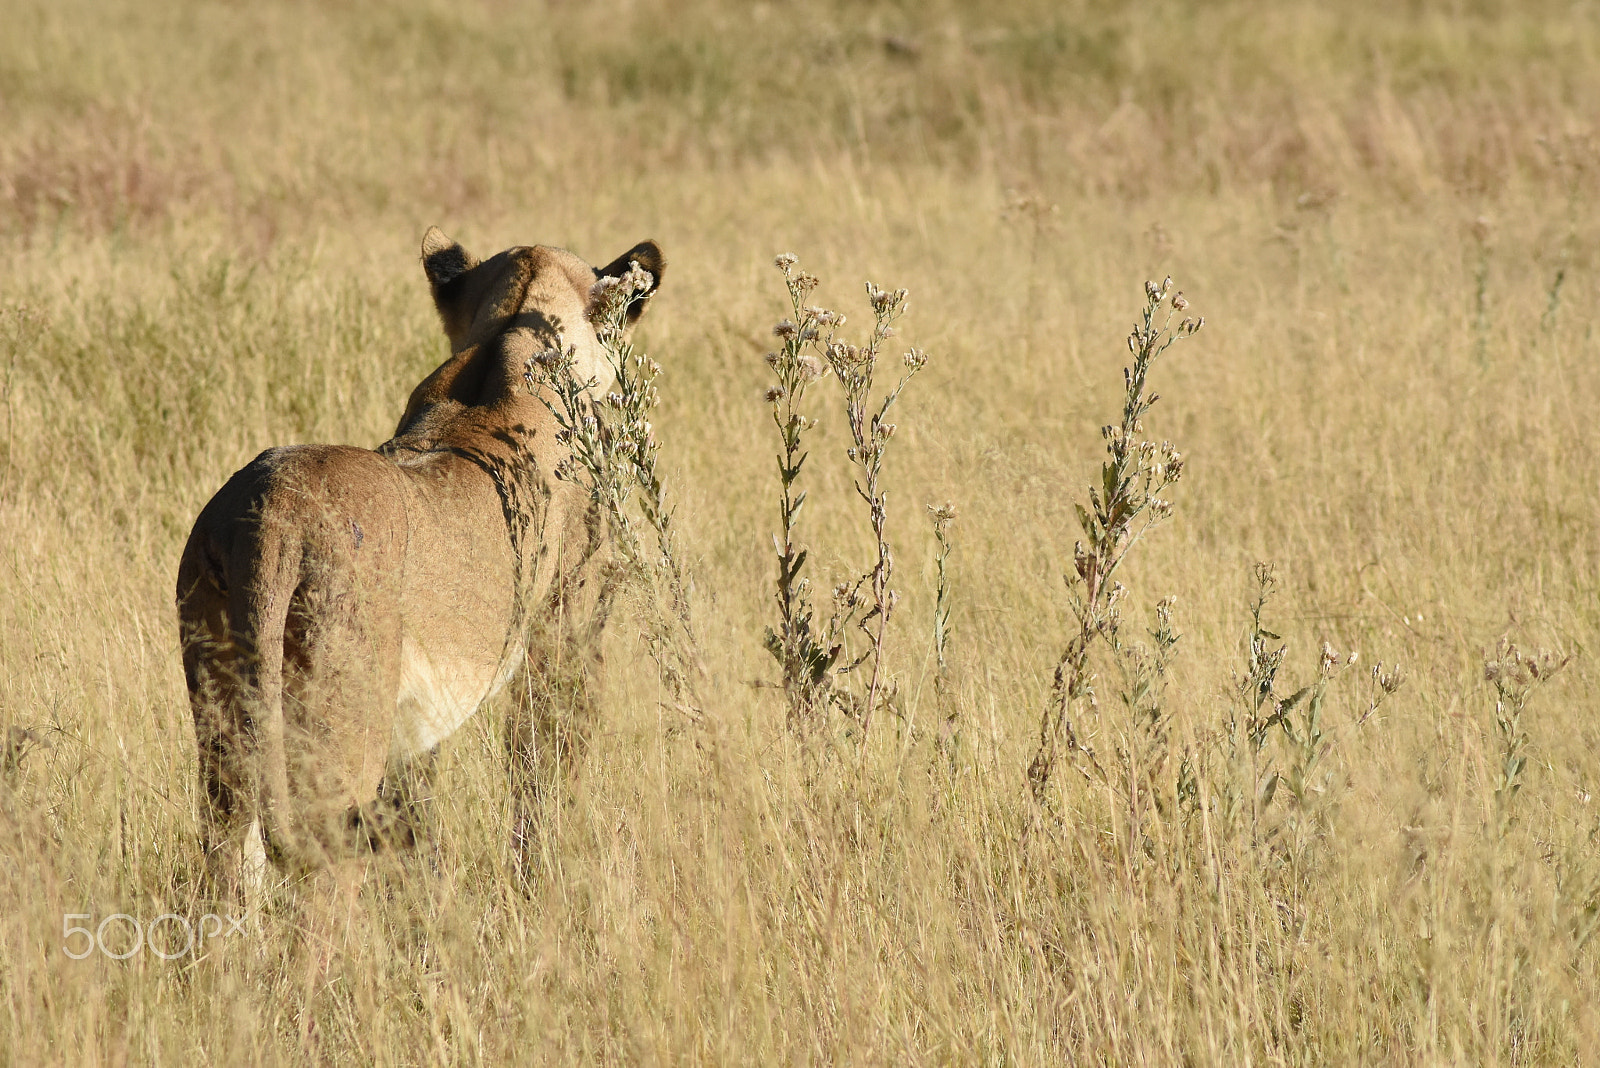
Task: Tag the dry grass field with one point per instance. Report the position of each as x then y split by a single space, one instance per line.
1388 215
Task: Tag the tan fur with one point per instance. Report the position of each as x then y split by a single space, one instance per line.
343 610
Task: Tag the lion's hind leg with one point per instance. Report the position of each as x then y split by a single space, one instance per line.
214 671
340 675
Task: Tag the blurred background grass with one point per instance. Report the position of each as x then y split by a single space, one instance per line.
210 213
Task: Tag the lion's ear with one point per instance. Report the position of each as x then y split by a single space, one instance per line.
647 254
444 260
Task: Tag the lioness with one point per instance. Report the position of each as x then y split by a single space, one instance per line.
343 610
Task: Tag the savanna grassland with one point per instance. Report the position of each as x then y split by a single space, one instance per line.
1387 214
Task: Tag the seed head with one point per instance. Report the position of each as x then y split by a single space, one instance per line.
883 301
1389 679
608 296
810 368
637 280
784 260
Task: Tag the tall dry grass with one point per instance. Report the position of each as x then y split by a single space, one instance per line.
209 215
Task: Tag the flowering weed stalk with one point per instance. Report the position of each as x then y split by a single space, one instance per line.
1255 768
613 451
1121 510
870 430
805 652
1143 754
1259 708
1514 675
811 350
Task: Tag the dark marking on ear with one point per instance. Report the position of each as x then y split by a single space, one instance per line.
444 260
445 267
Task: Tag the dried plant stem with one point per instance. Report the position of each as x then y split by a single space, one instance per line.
809 654
805 655
870 431
614 453
1122 508
1514 675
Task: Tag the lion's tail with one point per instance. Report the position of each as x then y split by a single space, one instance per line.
261 599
